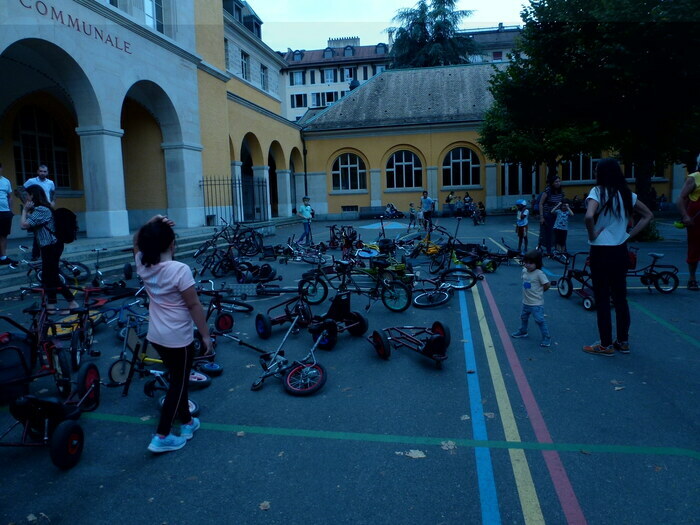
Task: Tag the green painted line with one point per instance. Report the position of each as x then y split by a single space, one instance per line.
667 325
416 440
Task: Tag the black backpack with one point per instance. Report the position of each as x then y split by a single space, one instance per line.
65 224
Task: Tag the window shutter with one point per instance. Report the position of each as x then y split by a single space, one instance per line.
335 75
291 100
291 78
303 77
342 74
374 69
304 101
313 76
364 72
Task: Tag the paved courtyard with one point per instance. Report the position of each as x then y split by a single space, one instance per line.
504 432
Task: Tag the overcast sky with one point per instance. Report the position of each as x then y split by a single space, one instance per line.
307 24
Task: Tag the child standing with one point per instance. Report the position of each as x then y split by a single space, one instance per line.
535 283
561 225
411 215
521 221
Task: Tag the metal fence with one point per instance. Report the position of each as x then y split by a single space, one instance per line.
244 200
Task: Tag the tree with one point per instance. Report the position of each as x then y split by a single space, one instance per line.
600 76
427 36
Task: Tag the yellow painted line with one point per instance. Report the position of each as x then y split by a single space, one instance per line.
529 502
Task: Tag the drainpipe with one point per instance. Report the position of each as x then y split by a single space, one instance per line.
306 182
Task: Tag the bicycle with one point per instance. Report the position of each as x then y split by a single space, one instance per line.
297 253
69 272
395 295
443 286
665 281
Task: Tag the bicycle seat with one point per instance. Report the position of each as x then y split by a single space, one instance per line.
656 256
32 310
31 407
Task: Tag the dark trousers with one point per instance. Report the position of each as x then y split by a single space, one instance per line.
178 361
547 232
608 273
50 256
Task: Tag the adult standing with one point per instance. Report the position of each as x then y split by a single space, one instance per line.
609 208
42 180
5 217
173 309
449 200
305 211
37 216
427 205
689 206
551 196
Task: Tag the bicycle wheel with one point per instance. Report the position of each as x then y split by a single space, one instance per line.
315 291
61 277
77 349
443 330
88 387
666 282
396 296
381 344
313 258
75 271
194 406
564 287
460 278
119 371
304 379
263 326
431 298
198 380
437 262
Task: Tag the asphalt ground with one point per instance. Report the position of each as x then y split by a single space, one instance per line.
505 432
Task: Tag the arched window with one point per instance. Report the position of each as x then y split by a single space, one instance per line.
349 173
39 139
380 49
404 170
328 53
461 168
349 51
298 55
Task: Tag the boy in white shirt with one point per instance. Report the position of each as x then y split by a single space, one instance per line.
535 283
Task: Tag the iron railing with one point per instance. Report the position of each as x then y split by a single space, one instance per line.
243 200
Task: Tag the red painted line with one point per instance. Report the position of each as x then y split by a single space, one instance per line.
562 485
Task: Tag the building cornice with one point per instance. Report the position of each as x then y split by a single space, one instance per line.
259 109
118 18
214 71
336 63
408 129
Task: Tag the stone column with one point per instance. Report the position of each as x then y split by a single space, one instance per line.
237 191
103 180
431 184
183 174
493 199
375 187
261 185
284 193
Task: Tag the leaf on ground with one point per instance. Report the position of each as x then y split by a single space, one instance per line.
585 452
616 382
145 418
415 454
619 388
250 365
281 454
465 417
471 371
448 445
346 389
489 415
240 434
265 505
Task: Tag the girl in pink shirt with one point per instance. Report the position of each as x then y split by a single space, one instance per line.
174 305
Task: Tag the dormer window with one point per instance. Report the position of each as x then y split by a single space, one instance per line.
349 51
298 55
380 49
328 53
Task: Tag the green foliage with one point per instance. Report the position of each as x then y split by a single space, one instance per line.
600 75
649 234
427 36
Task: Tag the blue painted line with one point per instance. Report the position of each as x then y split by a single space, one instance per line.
484 467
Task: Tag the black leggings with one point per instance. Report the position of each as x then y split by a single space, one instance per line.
50 256
608 272
178 361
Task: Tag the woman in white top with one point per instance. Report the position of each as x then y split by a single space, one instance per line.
609 209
